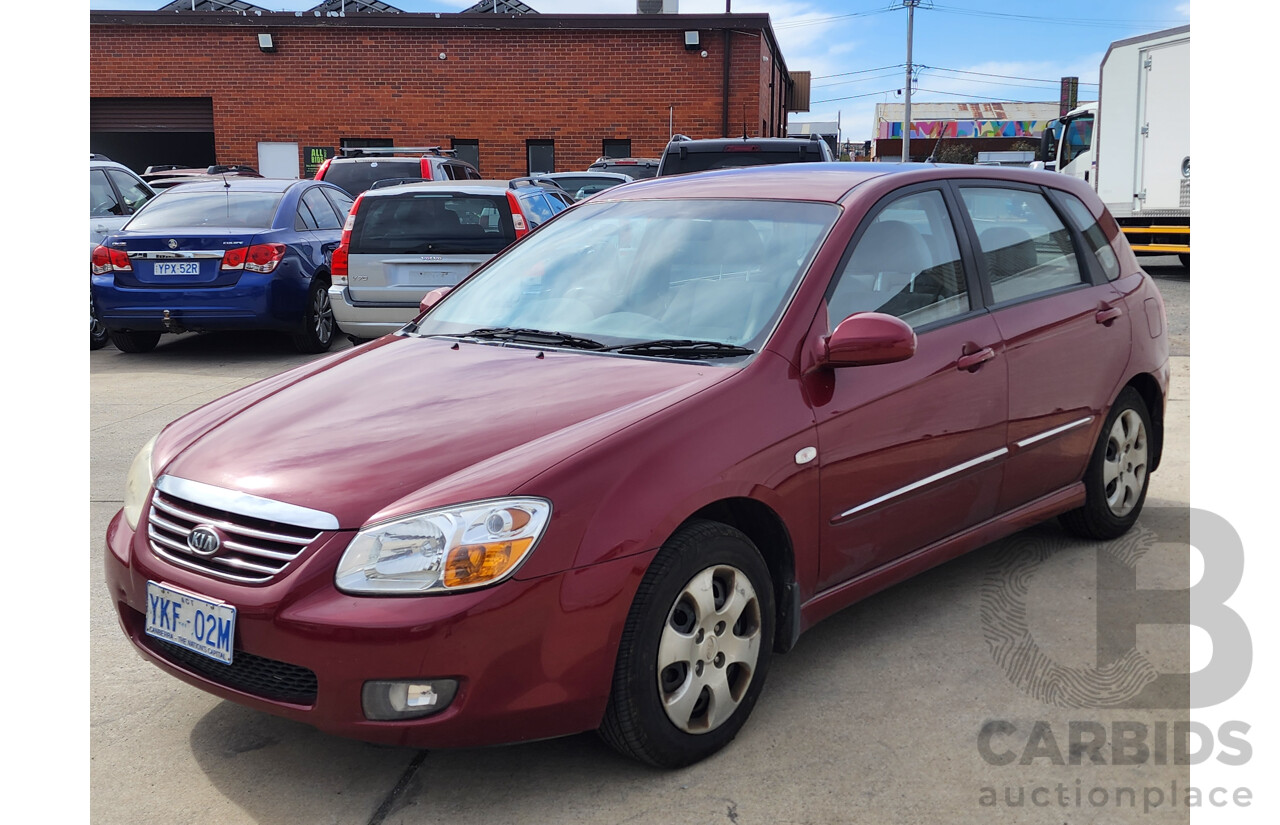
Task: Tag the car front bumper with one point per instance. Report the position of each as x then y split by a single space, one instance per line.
533 658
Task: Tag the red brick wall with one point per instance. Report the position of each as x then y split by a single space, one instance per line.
500 87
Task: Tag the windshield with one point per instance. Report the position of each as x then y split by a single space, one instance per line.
620 273
357 176
225 208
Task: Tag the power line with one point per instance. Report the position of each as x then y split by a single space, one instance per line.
855 80
1092 23
859 71
1006 76
855 97
792 24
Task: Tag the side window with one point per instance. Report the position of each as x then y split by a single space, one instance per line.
1077 139
102 198
341 201
325 217
536 208
1026 249
905 263
1093 234
303 220
132 191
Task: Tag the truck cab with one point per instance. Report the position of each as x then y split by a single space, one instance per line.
1067 145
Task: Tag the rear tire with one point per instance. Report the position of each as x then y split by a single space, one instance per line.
1184 258
318 325
695 649
1117 478
134 341
98 335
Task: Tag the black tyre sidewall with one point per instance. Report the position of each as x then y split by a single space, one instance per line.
134 341
1095 519
693 549
306 340
98 334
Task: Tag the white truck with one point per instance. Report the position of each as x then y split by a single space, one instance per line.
1134 143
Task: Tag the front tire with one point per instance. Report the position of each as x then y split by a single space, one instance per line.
1118 475
695 649
318 325
135 341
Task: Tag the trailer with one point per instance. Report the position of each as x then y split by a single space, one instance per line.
1134 144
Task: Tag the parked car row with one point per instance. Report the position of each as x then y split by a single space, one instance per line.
606 478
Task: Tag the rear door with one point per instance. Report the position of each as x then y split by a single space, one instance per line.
406 244
1065 332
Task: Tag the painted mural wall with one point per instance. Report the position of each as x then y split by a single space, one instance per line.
965 129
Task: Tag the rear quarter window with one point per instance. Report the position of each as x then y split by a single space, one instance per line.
1093 234
432 222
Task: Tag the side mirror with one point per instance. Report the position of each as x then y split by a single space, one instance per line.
432 298
868 338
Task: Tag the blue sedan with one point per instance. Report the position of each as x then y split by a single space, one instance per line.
241 253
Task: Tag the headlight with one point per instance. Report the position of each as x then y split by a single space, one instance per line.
138 483
452 548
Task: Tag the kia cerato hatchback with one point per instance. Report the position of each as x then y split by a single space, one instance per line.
235 254
605 479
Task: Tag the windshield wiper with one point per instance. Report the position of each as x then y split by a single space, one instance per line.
531 336
681 348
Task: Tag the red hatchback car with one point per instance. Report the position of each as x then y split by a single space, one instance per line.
607 477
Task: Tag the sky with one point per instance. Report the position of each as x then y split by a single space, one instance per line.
968 50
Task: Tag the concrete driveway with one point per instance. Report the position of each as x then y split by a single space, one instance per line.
903 708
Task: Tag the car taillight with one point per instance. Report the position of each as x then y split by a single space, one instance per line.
261 257
105 259
517 216
324 167
338 261
426 168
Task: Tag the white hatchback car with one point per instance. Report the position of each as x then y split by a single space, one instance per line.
115 194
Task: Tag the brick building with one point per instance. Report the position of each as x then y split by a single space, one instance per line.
512 92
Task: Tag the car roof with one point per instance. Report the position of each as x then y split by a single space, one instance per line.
246 184
829 181
487 185
712 144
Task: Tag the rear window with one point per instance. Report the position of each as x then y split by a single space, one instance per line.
440 222
356 177
746 155
227 208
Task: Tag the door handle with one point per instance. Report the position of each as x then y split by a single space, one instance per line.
972 361
1106 316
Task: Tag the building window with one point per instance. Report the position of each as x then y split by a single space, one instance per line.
616 148
364 143
468 150
542 156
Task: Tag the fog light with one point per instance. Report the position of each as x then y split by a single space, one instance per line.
412 699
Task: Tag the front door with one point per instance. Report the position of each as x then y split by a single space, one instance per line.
911 452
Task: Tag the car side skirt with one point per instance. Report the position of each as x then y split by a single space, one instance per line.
836 598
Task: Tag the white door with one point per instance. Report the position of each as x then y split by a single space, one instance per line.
278 160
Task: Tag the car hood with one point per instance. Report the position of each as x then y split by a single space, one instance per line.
408 423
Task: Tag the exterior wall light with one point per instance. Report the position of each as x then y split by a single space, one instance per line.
691 40
266 43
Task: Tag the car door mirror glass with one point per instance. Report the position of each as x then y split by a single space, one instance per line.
868 338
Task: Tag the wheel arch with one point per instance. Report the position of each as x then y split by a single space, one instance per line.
769 533
1149 388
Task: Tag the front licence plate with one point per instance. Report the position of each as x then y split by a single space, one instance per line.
194 622
184 268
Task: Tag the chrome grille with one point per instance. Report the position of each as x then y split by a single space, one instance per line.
253 550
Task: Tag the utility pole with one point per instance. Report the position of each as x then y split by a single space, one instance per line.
906 115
